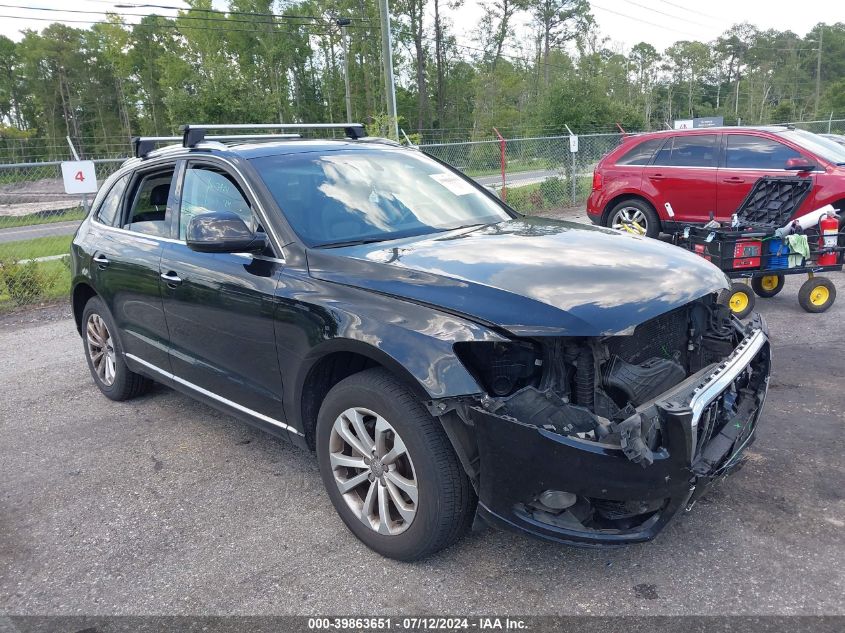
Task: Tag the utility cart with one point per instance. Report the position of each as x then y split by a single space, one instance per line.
757 253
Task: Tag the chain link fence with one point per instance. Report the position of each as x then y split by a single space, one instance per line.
38 219
824 126
531 174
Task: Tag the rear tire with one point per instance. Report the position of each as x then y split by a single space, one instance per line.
767 285
376 411
739 299
817 294
634 212
104 354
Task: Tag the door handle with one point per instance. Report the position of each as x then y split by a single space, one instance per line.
657 177
736 180
101 260
171 278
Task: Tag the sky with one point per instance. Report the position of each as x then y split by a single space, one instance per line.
624 22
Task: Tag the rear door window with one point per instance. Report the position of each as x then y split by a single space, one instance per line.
641 154
745 151
148 212
698 150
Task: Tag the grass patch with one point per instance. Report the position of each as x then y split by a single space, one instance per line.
49 217
58 287
37 247
549 194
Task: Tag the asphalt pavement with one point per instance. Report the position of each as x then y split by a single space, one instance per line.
162 505
37 230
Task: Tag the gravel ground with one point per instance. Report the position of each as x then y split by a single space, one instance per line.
164 506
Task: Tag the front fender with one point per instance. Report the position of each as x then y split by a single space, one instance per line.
414 341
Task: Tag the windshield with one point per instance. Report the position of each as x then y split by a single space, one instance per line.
363 195
830 150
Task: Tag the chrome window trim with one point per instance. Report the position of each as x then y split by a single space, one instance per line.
672 166
145 236
214 396
761 169
136 234
719 380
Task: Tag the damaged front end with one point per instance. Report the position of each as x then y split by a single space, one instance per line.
601 440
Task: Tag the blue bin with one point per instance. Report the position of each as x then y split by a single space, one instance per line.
775 260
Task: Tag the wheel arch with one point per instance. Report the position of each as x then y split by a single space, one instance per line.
334 361
80 295
621 197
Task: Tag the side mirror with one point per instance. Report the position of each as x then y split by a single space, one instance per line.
223 232
799 164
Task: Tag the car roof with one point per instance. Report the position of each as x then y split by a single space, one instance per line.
258 149
719 128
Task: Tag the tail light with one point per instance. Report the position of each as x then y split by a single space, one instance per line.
598 180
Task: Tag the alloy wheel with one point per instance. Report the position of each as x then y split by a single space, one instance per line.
100 346
630 219
373 471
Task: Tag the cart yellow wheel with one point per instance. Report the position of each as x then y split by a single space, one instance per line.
739 299
767 285
817 294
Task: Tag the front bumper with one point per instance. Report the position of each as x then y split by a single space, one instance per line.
706 423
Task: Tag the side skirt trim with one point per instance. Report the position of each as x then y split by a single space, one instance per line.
214 396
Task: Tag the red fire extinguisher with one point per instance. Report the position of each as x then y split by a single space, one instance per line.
828 236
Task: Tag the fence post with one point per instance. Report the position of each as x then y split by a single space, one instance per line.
572 175
502 159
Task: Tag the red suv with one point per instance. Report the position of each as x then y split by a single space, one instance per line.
707 170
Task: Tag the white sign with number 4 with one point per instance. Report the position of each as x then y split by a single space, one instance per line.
79 176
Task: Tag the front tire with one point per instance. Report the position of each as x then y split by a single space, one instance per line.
389 469
104 354
635 216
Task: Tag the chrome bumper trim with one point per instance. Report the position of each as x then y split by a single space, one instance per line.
725 373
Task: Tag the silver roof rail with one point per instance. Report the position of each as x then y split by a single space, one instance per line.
194 133
143 145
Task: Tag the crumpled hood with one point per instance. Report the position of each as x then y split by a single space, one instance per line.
530 276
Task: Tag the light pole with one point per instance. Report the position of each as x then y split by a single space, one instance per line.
387 55
341 22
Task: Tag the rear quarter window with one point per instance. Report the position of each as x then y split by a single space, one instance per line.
641 153
108 212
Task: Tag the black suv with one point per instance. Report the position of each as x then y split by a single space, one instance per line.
446 357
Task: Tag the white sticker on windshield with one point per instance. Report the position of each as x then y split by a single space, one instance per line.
454 183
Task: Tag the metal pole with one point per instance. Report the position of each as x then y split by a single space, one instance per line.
819 68
502 161
387 55
343 38
572 186
76 157
829 122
